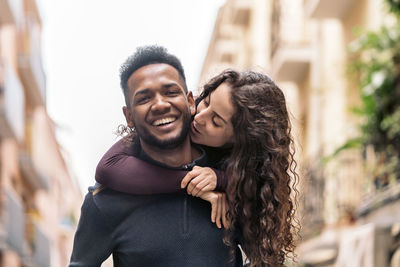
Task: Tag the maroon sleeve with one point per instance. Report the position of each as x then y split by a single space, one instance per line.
120 170
222 180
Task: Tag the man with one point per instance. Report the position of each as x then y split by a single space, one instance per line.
152 230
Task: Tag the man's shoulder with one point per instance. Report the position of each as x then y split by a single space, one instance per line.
113 205
104 197
107 205
96 189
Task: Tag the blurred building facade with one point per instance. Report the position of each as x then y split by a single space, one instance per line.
302 45
39 199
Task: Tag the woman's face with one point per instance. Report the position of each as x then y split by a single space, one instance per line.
212 123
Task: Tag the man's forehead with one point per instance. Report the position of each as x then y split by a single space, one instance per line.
153 74
152 71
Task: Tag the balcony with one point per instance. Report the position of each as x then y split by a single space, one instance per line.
320 9
291 52
32 10
365 245
14 223
291 63
30 67
12 104
10 11
36 180
227 49
41 247
241 12
321 250
379 205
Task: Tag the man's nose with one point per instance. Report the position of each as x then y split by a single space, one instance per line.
160 105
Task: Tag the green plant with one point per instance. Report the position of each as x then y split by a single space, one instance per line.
375 63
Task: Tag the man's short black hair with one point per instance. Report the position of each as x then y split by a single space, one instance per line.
146 55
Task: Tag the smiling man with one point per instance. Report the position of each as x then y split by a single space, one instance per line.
152 230
160 110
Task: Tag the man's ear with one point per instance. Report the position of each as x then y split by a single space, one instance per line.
128 116
192 105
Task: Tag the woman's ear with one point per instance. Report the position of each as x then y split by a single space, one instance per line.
128 116
191 103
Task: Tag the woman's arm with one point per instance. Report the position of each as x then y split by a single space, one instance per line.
203 179
219 207
120 170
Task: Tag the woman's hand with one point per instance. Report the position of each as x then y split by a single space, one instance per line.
218 207
199 180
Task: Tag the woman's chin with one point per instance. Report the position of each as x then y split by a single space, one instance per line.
196 139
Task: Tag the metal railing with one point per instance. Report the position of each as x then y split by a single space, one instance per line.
30 64
11 11
12 104
31 174
41 251
15 222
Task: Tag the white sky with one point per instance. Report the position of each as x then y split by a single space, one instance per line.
85 42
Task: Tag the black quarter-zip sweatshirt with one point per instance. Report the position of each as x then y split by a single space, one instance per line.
149 230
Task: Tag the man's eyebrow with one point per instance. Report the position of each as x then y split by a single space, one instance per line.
142 92
169 85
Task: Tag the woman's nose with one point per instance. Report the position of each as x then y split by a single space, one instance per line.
200 117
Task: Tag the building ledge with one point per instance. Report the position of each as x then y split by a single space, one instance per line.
319 250
291 63
36 180
10 11
33 79
12 104
14 223
30 67
378 200
321 9
241 12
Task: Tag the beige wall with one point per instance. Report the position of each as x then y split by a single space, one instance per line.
35 180
309 64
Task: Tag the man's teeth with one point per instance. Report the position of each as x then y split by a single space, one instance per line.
163 121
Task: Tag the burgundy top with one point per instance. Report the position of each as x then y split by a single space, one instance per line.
120 170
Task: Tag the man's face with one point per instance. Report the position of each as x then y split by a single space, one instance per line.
159 108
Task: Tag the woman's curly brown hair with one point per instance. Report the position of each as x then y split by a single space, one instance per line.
261 169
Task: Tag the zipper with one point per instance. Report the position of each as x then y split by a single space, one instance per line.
185 219
186 167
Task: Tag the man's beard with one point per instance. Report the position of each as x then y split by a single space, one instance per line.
145 136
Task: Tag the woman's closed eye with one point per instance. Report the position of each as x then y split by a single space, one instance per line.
215 123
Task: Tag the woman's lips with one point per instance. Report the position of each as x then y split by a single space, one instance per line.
194 129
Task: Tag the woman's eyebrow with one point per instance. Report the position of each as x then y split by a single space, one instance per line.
219 116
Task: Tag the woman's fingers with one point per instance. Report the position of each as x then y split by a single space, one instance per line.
224 211
218 207
208 187
199 188
192 184
219 211
213 199
213 210
204 179
188 177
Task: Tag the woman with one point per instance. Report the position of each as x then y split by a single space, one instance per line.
243 124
